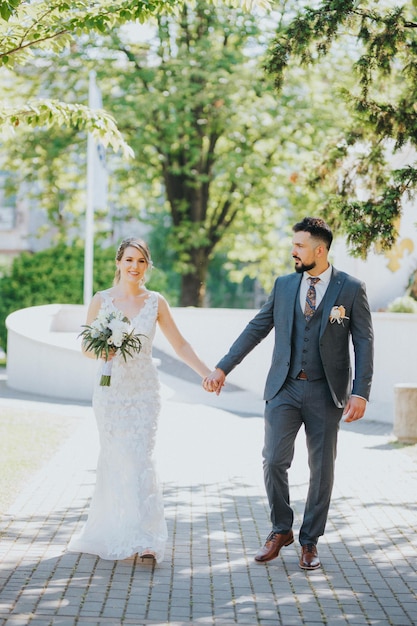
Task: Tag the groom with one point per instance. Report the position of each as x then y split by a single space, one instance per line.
314 313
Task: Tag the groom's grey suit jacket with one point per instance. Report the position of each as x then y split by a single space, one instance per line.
334 341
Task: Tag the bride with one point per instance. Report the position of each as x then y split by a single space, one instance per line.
126 514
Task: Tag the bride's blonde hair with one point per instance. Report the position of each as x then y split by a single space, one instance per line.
132 242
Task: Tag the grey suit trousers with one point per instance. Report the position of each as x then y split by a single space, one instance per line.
310 403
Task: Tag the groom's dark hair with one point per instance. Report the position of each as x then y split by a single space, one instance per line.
317 229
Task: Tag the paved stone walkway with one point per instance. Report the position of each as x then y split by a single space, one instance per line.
209 460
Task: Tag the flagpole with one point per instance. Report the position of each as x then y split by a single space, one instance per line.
89 230
89 215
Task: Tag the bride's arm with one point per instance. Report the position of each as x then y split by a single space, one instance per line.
181 346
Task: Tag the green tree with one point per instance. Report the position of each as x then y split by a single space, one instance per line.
51 26
216 150
381 40
26 27
207 126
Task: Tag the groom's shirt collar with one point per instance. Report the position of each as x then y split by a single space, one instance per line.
324 276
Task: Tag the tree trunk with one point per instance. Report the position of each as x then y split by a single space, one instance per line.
193 284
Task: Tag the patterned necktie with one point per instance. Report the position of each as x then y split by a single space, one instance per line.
310 306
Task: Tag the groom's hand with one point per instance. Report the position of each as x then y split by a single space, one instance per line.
214 381
355 409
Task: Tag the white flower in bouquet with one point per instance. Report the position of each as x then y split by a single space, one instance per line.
119 329
111 331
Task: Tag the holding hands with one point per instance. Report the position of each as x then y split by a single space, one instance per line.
214 381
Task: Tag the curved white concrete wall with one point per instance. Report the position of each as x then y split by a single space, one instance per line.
44 354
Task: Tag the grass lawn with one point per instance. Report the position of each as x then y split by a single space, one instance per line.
28 439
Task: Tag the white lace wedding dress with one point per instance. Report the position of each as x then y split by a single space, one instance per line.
126 514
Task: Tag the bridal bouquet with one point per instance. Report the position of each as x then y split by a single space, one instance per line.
111 331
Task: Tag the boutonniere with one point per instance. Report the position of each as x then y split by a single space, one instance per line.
338 314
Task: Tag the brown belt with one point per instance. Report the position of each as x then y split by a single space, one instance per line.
302 376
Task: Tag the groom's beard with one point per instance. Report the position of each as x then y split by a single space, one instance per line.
304 268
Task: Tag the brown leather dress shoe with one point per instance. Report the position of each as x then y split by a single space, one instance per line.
273 544
309 558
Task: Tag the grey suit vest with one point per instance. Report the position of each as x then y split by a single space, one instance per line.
305 354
